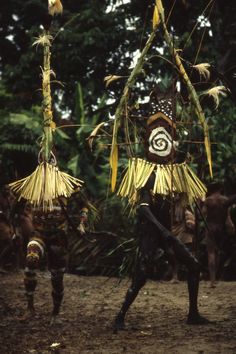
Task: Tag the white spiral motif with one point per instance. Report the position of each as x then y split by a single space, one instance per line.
160 142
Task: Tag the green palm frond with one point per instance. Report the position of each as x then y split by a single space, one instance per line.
19 147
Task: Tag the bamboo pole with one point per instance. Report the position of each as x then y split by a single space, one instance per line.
192 92
120 110
47 102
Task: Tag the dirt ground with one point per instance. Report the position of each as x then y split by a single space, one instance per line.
155 322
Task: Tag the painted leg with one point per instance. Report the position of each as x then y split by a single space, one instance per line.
34 252
185 256
137 283
57 261
194 318
30 282
57 291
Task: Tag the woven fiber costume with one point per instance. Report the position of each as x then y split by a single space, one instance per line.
50 239
47 186
153 185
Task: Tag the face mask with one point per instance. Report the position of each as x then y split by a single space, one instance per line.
161 131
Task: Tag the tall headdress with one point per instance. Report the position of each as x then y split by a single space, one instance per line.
47 183
121 110
161 127
161 144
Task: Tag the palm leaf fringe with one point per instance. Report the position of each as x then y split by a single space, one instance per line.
170 179
44 185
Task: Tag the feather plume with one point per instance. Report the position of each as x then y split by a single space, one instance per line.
44 39
215 93
203 70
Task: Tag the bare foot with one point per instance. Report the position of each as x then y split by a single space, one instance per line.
197 319
55 320
174 281
119 324
29 313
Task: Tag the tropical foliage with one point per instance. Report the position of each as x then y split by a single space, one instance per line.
98 39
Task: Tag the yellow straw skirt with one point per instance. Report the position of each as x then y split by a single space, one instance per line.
171 179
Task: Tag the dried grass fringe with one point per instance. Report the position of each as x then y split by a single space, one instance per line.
45 185
170 179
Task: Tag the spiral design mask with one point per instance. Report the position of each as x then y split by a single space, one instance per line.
160 142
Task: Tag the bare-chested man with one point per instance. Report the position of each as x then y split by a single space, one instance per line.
216 211
183 228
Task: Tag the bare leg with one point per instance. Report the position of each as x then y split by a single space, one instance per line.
174 271
35 250
30 282
57 261
57 291
147 247
184 255
137 283
194 318
211 252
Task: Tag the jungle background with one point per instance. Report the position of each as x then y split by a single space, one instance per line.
95 39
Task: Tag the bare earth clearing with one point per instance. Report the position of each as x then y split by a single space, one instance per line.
155 323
